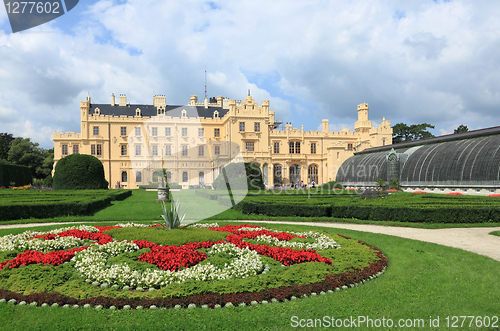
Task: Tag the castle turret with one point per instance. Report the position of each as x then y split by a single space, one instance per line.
363 124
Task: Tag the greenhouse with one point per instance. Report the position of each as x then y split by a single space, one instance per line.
469 161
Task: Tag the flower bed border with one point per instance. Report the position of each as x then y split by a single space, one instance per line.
332 282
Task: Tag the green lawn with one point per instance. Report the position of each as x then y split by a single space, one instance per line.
422 280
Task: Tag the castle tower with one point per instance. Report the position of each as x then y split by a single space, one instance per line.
362 124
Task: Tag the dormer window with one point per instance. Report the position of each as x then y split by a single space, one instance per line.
216 114
138 112
97 111
184 113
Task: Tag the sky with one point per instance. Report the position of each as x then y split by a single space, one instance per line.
412 61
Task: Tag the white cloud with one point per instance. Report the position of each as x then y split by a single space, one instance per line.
412 61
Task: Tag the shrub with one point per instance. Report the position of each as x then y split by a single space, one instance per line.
16 174
239 176
79 171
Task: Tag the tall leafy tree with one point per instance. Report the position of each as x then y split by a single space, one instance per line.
405 133
3 151
461 129
27 153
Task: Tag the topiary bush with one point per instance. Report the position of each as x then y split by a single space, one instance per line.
237 173
79 171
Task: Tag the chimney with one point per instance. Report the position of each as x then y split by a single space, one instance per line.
194 100
112 99
123 100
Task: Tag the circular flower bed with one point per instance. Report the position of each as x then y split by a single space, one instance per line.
454 193
98 270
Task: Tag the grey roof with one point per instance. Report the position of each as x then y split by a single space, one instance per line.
150 110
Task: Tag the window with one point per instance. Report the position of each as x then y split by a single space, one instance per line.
217 150
168 150
184 150
124 176
76 149
201 150
276 148
154 132
216 133
184 177
123 149
64 149
200 132
312 174
349 147
184 132
138 177
123 131
242 126
249 146
92 149
313 148
99 149
96 130
256 127
292 147
297 148
167 132
138 131
137 150
154 150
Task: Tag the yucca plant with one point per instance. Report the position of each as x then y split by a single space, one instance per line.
172 218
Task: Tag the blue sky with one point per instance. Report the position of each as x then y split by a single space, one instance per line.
413 61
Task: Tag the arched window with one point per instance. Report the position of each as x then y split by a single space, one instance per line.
184 177
312 174
277 174
138 177
124 176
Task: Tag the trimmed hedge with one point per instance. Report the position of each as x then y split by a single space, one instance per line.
20 175
53 206
79 172
403 207
250 171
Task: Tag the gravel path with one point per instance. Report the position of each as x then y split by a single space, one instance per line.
476 240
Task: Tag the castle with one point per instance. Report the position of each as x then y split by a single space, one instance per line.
194 142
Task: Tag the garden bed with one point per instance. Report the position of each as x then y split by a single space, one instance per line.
129 266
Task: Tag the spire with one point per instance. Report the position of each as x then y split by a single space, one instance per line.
205 82
248 92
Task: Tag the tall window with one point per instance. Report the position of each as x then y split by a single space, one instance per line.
256 127
154 150
167 132
64 149
123 149
201 150
200 132
349 147
76 149
168 150
313 148
249 146
184 177
216 133
297 147
92 149
99 149
312 174
138 131
184 150
124 176
154 132
96 130
292 147
137 150
276 148
184 132
138 177
123 131
217 150
242 126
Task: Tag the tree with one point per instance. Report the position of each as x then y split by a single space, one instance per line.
461 129
7 139
3 151
27 153
405 133
79 171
